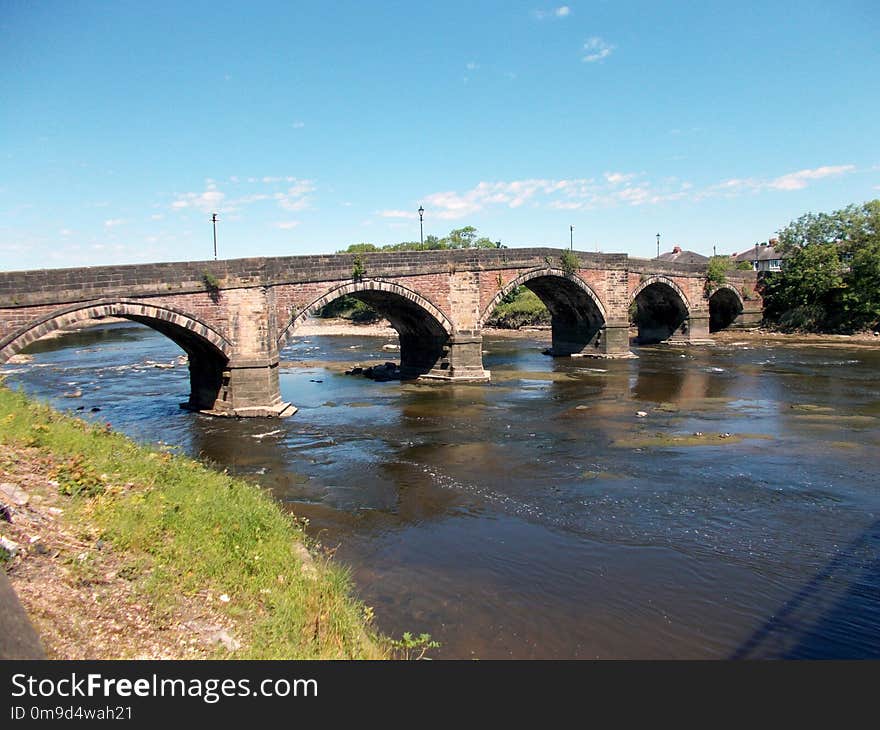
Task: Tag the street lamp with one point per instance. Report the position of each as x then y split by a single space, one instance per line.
658 245
421 225
571 238
214 221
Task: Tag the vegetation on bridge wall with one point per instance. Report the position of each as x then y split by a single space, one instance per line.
830 278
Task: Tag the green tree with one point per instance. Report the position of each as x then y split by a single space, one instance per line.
830 278
863 294
716 272
484 242
461 237
458 238
360 248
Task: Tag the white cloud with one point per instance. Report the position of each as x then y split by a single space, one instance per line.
596 49
157 216
514 194
616 178
113 222
472 66
296 197
563 11
208 201
788 182
800 179
212 200
286 225
65 232
611 190
298 125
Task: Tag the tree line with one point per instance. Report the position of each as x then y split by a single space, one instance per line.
457 238
830 277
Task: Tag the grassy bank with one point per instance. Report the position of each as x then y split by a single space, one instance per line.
521 308
178 543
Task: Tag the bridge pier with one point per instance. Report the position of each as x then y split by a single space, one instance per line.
249 388
608 341
252 389
693 331
613 341
461 361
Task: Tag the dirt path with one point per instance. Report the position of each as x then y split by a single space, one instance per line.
76 589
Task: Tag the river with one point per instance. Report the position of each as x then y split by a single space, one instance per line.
539 515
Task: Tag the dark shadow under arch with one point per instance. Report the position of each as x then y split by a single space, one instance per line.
423 330
577 315
659 309
208 350
725 305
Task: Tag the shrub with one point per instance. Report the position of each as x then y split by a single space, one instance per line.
359 270
569 262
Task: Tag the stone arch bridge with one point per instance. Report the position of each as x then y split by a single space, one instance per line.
232 317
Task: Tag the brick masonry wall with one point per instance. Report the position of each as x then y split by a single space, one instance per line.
257 295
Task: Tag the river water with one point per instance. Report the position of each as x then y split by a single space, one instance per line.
539 516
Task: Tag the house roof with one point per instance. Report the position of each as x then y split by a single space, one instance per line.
759 253
676 255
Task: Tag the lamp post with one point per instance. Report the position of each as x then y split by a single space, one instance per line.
214 221
658 245
421 225
571 238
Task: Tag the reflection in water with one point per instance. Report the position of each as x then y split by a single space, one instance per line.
538 515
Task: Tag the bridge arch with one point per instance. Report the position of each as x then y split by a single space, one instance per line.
725 305
208 350
423 329
659 308
577 315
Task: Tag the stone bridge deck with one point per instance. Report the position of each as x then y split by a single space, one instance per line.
232 317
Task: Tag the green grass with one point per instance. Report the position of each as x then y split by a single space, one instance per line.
186 529
521 308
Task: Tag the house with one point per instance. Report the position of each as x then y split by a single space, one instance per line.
677 256
762 256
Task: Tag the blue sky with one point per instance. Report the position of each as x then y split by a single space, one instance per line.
310 126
